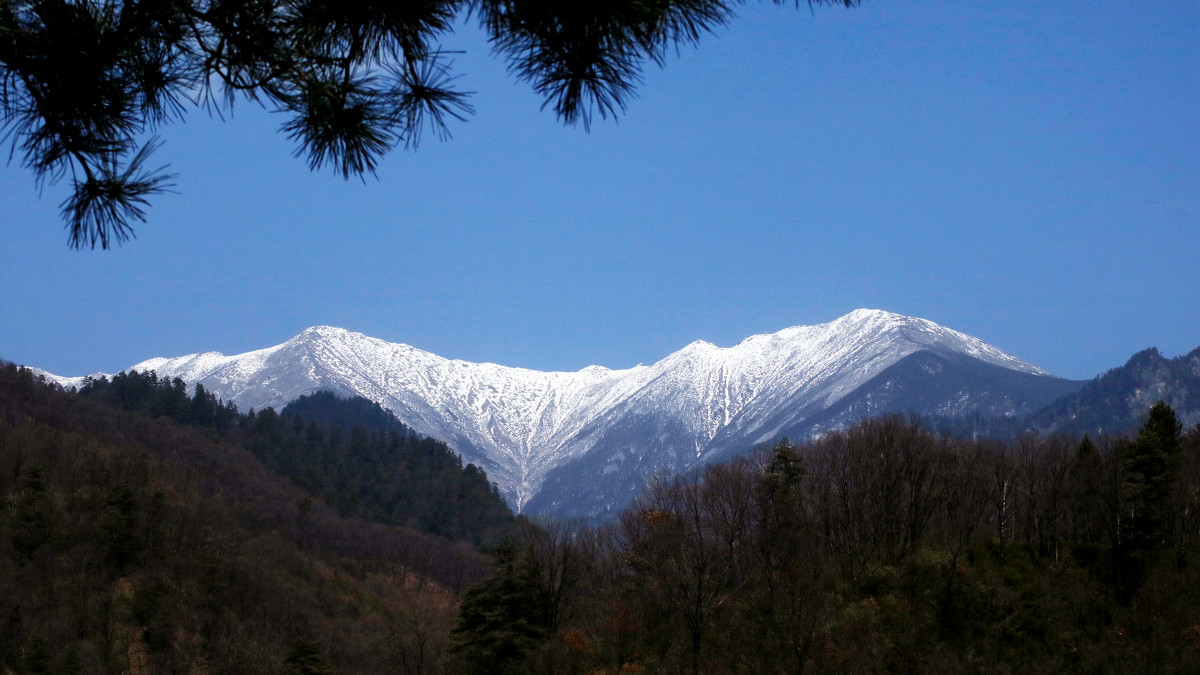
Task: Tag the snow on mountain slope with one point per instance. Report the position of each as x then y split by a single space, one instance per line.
704 402
520 424
711 390
509 420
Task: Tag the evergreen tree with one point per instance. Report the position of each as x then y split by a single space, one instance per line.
117 526
32 527
1085 497
500 622
1150 465
10 636
785 463
81 83
306 658
37 656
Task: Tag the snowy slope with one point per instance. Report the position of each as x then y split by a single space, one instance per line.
520 424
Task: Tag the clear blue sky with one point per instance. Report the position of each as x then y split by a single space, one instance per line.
1028 173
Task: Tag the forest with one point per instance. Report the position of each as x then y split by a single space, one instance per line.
351 453
882 548
147 541
162 532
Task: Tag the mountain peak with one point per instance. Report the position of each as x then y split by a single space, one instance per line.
1146 356
325 333
865 314
854 322
881 321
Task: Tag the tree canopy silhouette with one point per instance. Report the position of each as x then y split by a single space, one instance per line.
84 83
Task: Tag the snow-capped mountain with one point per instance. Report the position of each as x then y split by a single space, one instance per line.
698 404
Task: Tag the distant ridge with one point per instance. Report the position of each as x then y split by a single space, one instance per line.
1116 401
697 404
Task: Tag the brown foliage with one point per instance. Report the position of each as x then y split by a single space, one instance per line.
220 569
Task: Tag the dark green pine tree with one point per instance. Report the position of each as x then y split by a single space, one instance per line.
32 527
116 526
1085 500
780 507
306 658
84 85
500 622
786 464
1151 466
37 657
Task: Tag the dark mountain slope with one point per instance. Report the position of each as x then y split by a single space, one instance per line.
1118 400
927 383
328 409
350 452
134 544
943 384
362 460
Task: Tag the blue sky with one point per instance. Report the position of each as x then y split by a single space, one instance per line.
1028 173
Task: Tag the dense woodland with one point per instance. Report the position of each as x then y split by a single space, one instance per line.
139 544
359 458
881 548
351 453
134 543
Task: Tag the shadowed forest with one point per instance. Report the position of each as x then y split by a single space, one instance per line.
878 549
144 530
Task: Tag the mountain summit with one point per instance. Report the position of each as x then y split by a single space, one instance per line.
618 427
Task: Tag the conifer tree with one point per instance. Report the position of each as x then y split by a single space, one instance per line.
116 523
1150 464
83 83
306 658
500 622
32 527
37 656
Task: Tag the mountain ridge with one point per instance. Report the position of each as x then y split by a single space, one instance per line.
1117 400
519 424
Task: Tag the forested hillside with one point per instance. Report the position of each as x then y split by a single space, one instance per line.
350 452
878 549
361 459
1113 402
134 544
1116 400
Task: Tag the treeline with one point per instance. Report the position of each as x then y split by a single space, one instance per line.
883 548
360 459
144 392
351 453
135 544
